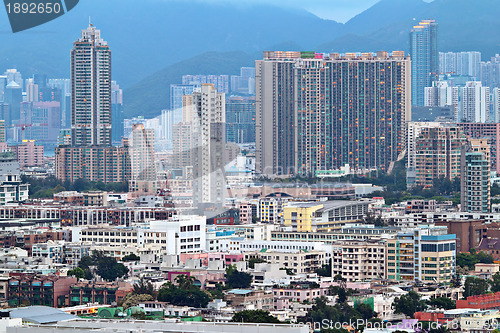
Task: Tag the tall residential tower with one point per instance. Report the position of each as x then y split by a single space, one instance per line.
91 90
424 58
319 112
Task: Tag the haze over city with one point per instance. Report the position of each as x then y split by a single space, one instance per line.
287 166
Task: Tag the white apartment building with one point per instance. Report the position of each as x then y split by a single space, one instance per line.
49 253
284 246
476 102
302 262
270 210
496 104
358 260
209 139
11 189
441 94
181 234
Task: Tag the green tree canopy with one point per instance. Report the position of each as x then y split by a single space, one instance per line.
131 257
134 299
495 282
237 279
77 272
475 286
107 267
184 293
469 260
325 269
254 316
408 304
144 287
442 303
253 261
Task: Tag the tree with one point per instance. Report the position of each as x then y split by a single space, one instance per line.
456 281
325 270
184 282
340 312
237 279
495 282
341 290
254 316
442 303
134 299
365 310
253 261
218 291
131 257
184 293
469 260
370 218
408 304
110 270
107 267
144 287
475 286
174 295
77 272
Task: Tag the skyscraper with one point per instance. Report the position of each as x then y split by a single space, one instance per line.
2 130
437 154
475 177
476 102
116 112
142 160
424 58
91 155
240 119
13 96
91 90
441 94
208 137
319 112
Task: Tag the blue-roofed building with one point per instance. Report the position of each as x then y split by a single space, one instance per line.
40 314
426 253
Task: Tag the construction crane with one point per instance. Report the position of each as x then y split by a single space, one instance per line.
24 126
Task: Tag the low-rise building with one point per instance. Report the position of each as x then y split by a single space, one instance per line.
300 292
11 187
84 292
248 299
33 289
181 234
302 262
323 215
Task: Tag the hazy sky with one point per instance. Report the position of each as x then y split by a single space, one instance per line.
338 10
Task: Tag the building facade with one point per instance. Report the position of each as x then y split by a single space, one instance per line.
437 154
422 254
317 112
240 119
209 141
475 102
91 90
424 58
475 178
97 163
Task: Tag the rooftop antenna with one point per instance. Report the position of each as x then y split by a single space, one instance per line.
90 24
